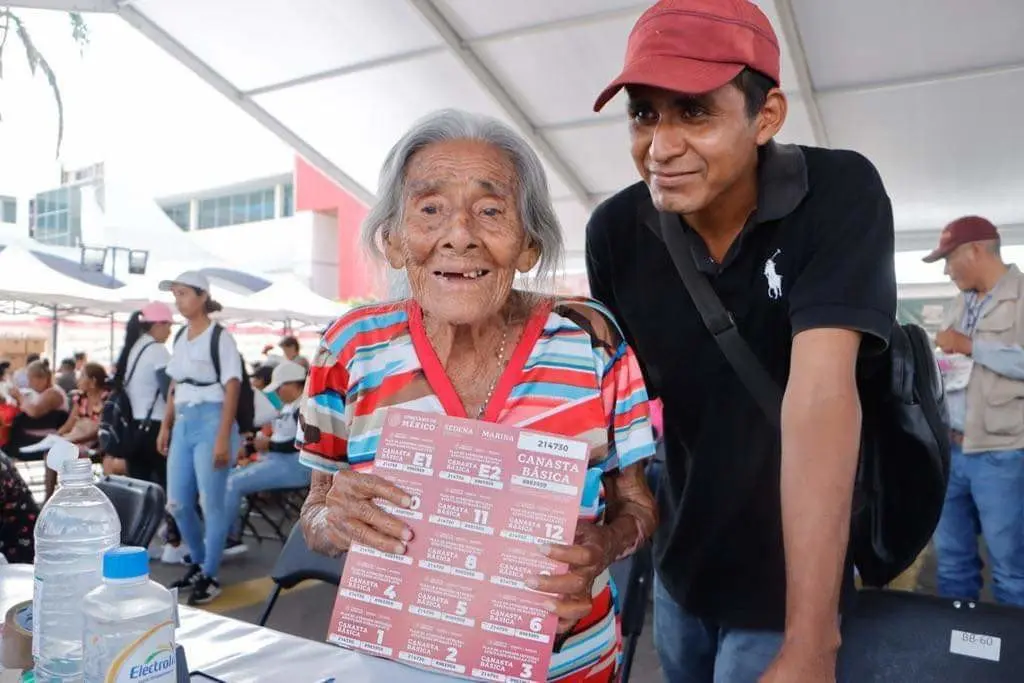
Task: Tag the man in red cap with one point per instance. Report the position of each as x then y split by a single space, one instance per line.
983 333
797 243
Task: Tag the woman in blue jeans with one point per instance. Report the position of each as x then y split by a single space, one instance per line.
200 426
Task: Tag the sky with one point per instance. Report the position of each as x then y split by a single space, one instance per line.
127 103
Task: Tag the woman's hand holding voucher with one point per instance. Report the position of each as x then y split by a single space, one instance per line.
353 516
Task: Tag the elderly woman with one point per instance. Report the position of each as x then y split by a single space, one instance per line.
44 408
463 208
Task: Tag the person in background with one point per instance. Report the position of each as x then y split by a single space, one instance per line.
798 244
44 409
985 324
5 381
261 376
278 466
656 465
290 348
67 378
137 372
8 406
200 430
83 423
81 358
18 514
21 375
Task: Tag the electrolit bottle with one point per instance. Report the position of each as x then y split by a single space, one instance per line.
129 624
75 527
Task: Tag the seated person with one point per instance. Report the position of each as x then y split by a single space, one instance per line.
5 380
278 466
21 376
290 348
463 209
67 378
43 410
260 377
82 425
18 513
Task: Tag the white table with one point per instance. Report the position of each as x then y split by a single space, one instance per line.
238 652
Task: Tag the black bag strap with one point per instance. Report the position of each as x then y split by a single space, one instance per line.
152 405
719 320
215 349
131 372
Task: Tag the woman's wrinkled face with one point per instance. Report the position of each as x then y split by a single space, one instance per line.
461 240
187 301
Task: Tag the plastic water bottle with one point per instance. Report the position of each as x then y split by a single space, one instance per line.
75 527
129 624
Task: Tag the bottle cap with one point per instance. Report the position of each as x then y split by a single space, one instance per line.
128 562
61 452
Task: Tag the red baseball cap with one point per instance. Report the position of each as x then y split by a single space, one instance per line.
962 231
696 46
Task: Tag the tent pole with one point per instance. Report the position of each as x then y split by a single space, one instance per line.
53 340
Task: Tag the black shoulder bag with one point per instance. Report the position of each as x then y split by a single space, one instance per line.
904 463
117 424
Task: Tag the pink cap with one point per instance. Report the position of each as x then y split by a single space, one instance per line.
156 312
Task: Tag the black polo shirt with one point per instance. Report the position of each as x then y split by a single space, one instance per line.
816 253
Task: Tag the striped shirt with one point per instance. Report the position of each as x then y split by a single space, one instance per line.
571 374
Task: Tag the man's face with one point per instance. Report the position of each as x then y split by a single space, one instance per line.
962 266
690 150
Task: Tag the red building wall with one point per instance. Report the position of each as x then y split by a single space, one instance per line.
358 277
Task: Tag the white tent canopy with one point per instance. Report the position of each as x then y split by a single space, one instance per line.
23 277
339 80
292 300
282 301
129 218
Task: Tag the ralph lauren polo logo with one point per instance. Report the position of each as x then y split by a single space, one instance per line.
773 277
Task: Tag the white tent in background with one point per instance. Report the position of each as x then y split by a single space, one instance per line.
291 300
121 215
140 291
23 277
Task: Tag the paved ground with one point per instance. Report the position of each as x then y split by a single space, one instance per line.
304 611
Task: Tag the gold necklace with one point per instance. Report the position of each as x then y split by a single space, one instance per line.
497 376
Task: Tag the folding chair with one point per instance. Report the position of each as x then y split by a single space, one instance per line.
632 576
140 507
297 563
284 500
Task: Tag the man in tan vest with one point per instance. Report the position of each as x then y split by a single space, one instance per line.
984 335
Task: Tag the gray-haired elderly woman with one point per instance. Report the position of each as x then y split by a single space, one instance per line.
463 208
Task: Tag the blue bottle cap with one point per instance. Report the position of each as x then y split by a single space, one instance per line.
125 563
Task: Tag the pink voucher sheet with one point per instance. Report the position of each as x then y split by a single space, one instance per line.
484 496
